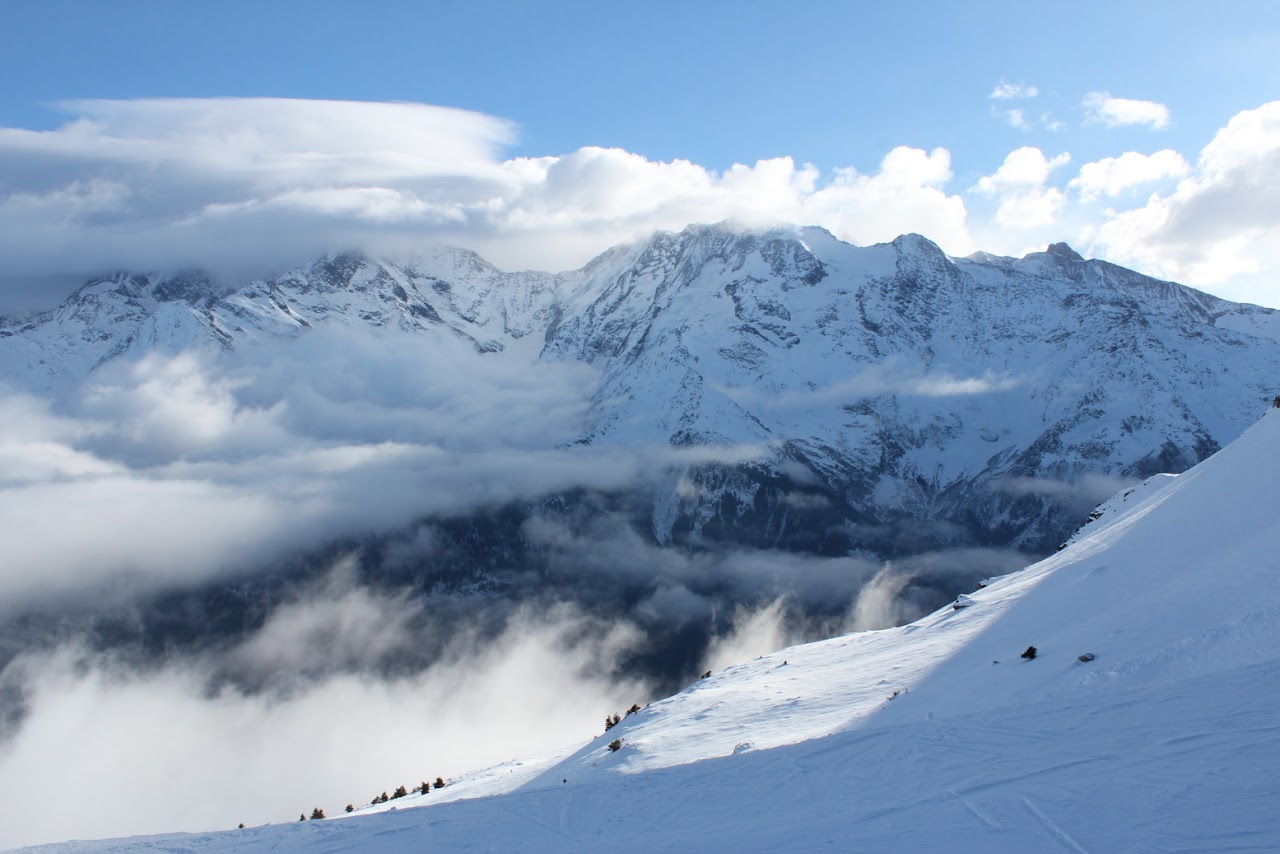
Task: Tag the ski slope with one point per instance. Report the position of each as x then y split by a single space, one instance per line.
937 735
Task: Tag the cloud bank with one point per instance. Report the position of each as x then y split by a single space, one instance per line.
157 749
248 187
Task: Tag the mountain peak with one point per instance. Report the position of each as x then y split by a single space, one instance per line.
1062 250
189 286
912 242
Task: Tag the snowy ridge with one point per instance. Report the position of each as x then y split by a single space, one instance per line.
1145 720
983 401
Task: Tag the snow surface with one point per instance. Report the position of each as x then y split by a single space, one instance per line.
937 735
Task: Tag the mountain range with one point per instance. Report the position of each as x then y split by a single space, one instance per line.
699 447
897 400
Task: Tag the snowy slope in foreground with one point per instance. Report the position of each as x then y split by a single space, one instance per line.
1168 740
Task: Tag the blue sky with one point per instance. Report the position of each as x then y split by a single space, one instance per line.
835 85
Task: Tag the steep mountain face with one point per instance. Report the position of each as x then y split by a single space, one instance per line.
899 400
913 387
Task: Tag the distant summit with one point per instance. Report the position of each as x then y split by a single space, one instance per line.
1062 250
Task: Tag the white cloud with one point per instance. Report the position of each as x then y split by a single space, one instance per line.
888 377
880 603
252 186
1020 185
217 467
1111 176
754 632
159 750
1102 108
905 196
248 186
1049 123
1023 168
1221 221
1031 208
1005 91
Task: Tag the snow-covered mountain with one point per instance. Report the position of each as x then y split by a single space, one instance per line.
904 400
1119 695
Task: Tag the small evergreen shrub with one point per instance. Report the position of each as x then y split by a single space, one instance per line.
317 813
634 708
426 787
439 782
1029 653
611 721
400 792
351 807
615 745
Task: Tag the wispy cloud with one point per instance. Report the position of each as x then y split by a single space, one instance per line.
887 378
1017 119
1052 124
1102 108
1006 91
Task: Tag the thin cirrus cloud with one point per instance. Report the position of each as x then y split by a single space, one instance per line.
1102 108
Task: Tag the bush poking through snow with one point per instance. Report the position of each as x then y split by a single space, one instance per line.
439 782
634 708
611 721
400 792
317 814
424 788
351 807
615 745
1029 653
1086 658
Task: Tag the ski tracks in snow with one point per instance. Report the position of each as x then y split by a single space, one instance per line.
1053 828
